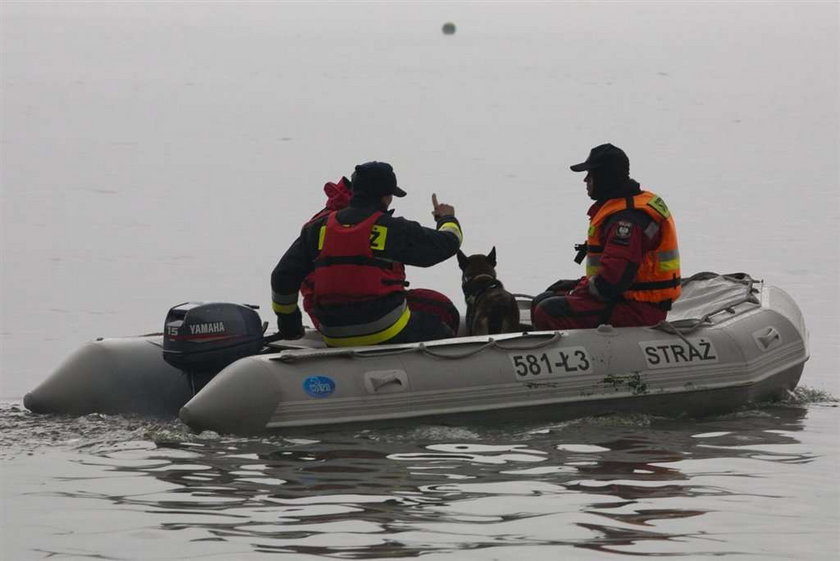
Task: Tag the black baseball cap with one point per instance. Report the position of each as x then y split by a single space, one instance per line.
605 156
376 178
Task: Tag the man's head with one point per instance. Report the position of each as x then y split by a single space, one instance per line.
375 180
608 170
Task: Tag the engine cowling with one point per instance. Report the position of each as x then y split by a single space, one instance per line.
204 337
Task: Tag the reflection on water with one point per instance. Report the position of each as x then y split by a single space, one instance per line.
630 484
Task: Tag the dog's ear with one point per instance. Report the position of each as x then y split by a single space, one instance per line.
462 260
491 257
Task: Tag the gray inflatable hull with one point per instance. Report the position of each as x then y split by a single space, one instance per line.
727 344
113 376
747 353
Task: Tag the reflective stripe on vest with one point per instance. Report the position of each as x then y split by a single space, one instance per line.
658 277
668 261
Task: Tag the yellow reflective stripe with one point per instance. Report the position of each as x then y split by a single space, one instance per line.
284 303
454 228
672 265
659 206
321 233
373 338
593 265
669 260
283 308
378 235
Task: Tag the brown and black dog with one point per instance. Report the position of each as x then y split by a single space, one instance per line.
490 308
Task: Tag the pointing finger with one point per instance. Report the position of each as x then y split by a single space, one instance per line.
434 200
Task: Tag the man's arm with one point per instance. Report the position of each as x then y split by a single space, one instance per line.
627 236
286 279
413 244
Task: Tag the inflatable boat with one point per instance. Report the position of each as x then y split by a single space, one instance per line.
729 340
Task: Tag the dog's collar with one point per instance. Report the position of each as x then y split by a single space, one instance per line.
473 290
479 276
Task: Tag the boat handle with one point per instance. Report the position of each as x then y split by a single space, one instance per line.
768 338
378 383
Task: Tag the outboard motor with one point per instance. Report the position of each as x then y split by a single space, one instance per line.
202 338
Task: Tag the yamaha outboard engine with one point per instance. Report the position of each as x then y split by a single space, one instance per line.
202 338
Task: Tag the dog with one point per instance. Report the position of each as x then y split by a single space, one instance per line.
490 308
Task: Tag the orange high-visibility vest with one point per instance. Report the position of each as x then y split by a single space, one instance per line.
658 277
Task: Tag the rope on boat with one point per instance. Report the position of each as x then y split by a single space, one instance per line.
684 327
493 343
425 349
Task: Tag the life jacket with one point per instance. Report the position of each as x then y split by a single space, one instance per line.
346 269
658 278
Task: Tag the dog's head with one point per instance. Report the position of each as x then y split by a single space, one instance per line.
478 264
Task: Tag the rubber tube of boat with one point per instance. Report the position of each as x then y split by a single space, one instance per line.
113 376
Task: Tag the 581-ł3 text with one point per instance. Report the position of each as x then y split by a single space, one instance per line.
556 362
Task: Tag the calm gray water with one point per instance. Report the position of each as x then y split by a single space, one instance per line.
159 152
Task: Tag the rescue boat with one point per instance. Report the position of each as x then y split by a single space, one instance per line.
729 341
